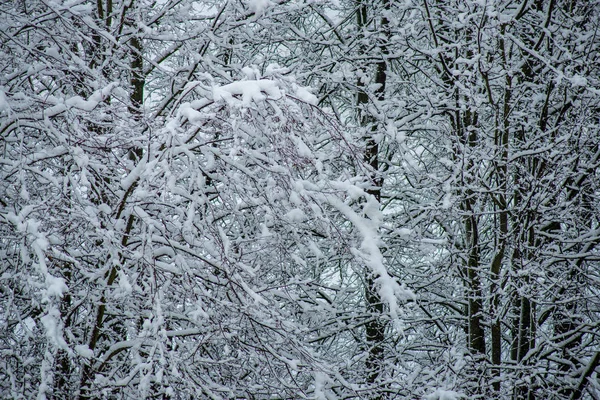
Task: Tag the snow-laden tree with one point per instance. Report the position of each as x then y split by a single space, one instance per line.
171 214
481 120
181 217
502 175
516 84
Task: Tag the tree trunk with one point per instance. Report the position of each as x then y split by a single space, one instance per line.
375 328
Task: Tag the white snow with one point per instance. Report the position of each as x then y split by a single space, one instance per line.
447 201
404 231
293 364
255 296
304 94
80 158
295 215
441 394
104 208
29 323
370 254
303 150
193 116
3 101
264 231
92 102
198 312
315 249
251 73
52 52
84 351
54 110
353 191
320 382
124 284
578 80
134 174
250 91
258 6
52 325
295 198
55 286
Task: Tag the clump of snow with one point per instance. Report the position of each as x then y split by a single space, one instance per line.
320 382
370 254
441 394
352 190
293 364
276 69
104 208
404 232
84 351
295 215
295 198
55 286
124 284
3 101
74 7
447 201
258 6
135 173
315 249
52 52
298 260
192 115
29 323
80 158
92 102
264 231
54 110
251 73
52 325
303 150
578 80
249 91
24 193
304 94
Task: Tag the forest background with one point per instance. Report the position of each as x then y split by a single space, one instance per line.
288 199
